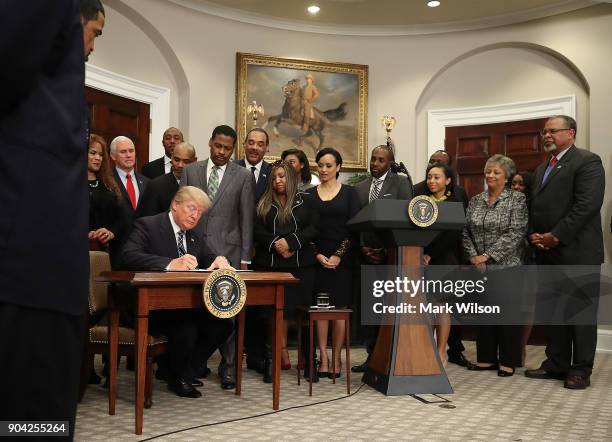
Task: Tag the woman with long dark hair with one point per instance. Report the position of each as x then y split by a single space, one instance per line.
337 204
298 160
105 221
445 250
286 224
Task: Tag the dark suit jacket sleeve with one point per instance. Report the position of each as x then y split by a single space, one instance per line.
28 31
247 210
405 188
206 256
589 186
136 253
147 205
308 234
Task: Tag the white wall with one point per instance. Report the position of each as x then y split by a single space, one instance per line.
194 54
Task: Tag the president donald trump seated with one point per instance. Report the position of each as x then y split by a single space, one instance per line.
167 242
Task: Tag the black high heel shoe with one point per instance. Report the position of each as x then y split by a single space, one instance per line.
504 373
474 367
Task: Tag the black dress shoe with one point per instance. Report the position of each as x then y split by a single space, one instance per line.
315 377
197 383
94 378
331 375
505 374
267 375
361 368
183 388
475 367
228 382
540 373
458 359
256 364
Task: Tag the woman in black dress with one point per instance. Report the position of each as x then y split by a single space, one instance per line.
337 204
445 250
286 224
105 222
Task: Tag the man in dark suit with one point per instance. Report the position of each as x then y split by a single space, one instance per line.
565 222
167 241
383 184
44 276
455 346
255 147
132 185
161 166
161 190
228 225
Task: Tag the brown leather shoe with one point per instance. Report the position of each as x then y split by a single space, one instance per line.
576 382
540 373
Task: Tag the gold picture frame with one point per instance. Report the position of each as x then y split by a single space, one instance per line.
337 115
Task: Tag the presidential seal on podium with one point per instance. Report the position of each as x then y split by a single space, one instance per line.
224 293
423 211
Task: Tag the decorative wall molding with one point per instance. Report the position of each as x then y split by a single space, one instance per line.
438 120
157 97
253 18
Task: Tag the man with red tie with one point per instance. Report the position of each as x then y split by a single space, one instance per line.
565 226
132 185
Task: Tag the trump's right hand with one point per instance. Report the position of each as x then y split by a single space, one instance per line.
185 262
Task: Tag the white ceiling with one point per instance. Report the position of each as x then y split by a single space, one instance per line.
384 16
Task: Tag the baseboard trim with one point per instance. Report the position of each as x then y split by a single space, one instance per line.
604 341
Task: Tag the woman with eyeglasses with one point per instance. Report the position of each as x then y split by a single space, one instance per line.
286 224
493 241
105 221
337 204
297 159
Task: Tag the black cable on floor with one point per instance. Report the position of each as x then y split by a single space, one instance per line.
254 416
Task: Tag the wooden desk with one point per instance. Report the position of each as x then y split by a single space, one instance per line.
175 290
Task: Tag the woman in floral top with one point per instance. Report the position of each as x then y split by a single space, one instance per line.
493 241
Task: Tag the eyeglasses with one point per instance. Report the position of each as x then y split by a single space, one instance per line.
545 132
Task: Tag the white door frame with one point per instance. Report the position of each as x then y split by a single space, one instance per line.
157 97
438 120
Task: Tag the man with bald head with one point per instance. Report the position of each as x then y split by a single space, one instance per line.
161 166
161 190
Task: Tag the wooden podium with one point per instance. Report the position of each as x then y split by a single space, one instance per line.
405 358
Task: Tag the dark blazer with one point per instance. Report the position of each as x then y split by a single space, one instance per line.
128 213
152 245
228 225
395 187
158 195
445 249
568 204
300 232
458 192
262 182
154 168
43 158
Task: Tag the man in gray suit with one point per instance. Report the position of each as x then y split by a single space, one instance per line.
383 184
565 227
228 225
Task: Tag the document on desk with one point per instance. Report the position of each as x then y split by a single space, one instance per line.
204 270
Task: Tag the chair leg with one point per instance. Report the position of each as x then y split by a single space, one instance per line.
149 383
87 362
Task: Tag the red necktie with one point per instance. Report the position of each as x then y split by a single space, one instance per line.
130 190
553 162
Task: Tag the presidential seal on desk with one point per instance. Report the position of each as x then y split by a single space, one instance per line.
224 293
423 211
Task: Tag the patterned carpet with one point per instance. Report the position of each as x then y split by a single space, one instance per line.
486 407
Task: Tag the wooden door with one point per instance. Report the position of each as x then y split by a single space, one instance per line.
112 115
471 146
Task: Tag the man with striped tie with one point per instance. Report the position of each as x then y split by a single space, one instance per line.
383 184
169 241
228 225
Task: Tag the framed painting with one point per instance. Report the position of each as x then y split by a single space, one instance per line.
307 105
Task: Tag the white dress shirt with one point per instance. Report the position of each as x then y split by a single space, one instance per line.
167 164
209 168
177 229
257 167
382 179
